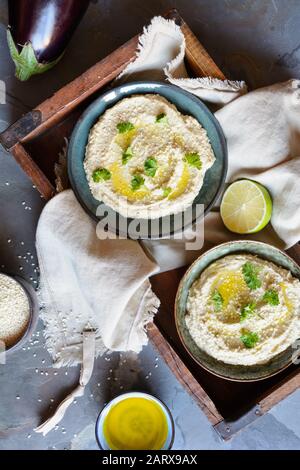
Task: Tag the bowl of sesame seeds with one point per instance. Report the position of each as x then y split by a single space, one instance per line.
18 312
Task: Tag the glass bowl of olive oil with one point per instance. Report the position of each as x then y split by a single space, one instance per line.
135 421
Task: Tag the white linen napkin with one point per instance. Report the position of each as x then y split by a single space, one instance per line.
262 130
88 283
263 135
160 56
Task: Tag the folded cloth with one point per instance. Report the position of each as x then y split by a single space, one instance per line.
90 284
95 292
262 130
160 56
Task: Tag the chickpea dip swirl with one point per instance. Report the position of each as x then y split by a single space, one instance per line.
244 310
145 159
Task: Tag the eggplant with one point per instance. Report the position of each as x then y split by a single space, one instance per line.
39 31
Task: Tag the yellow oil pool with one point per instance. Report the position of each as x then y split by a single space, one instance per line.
121 185
182 183
230 284
135 423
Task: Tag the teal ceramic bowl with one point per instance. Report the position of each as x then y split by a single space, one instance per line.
186 103
221 369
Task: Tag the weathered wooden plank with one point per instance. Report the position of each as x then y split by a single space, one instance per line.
197 57
53 109
279 392
33 171
183 375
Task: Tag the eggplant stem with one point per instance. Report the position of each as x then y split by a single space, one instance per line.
25 61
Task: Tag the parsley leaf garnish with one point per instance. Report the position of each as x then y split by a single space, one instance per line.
150 166
193 159
217 300
166 191
136 182
271 297
249 339
250 276
124 127
247 310
162 118
101 174
127 155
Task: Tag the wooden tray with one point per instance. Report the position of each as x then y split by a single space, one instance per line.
35 141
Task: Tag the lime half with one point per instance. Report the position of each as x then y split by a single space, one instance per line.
246 207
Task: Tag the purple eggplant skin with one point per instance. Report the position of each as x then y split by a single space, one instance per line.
43 28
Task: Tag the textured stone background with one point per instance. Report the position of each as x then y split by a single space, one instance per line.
255 40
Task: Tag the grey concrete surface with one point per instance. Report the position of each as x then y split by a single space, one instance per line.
255 40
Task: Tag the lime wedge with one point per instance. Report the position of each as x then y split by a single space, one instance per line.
246 207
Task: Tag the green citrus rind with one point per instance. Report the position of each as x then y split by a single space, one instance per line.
268 206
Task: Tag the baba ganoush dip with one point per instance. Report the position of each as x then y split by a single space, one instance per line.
244 310
145 159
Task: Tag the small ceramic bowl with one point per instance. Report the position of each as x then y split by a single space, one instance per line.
221 369
101 418
34 309
186 103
